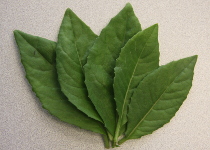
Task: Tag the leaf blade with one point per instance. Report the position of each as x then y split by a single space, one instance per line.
139 56
42 76
74 40
99 70
162 85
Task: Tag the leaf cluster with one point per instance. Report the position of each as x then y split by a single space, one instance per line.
110 84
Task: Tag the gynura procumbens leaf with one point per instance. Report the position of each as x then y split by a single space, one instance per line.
158 97
139 56
38 59
74 40
99 70
120 91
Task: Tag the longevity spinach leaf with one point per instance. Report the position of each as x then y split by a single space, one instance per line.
111 84
38 59
74 40
158 97
139 56
99 70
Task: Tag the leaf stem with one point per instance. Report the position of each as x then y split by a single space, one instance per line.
117 131
106 141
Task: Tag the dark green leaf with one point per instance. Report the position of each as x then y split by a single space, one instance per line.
74 40
139 56
99 70
158 97
38 59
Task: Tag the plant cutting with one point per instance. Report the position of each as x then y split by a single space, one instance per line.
109 83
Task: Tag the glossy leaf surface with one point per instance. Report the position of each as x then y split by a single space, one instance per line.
38 59
74 40
139 56
158 97
99 70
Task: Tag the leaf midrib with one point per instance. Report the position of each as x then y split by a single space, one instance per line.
157 101
82 69
126 24
75 43
35 49
133 75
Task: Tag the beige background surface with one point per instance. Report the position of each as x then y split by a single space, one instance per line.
183 31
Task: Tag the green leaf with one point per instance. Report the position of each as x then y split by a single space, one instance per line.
139 56
99 70
38 59
158 97
74 40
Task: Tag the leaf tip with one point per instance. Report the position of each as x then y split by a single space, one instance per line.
195 56
155 26
68 11
16 32
128 5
